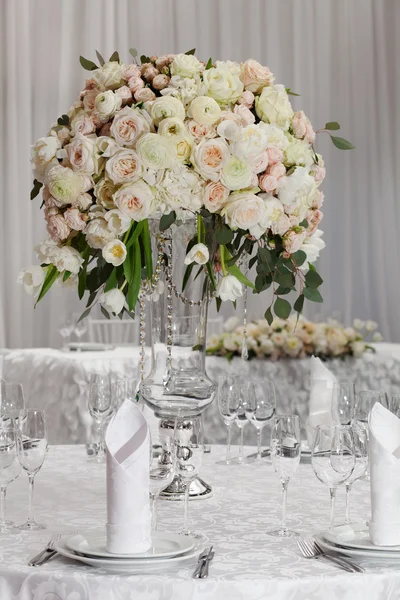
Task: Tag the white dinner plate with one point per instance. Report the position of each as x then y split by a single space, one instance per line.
356 552
355 536
89 347
133 565
164 545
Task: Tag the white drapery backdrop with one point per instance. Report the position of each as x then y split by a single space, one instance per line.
341 55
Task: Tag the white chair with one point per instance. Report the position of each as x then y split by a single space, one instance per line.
118 332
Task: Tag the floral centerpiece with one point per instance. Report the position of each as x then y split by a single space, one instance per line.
288 339
175 137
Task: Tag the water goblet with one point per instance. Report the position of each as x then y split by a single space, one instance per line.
101 408
66 330
285 456
343 401
10 467
162 469
261 407
228 405
12 402
333 458
31 456
361 465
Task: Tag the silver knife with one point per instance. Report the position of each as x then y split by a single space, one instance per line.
202 558
43 559
206 564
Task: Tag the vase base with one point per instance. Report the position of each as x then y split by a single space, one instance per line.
199 489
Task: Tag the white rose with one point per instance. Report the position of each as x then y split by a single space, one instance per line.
198 254
185 65
183 148
223 85
230 65
250 142
124 166
67 259
246 211
229 288
358 348
135 200
105 146
97 233
273 106
81 154
167 106
312 246
64 185
113 301
109 76
299 184
118 223
128 125
32 279
236 175
209 156
255 77
156 151
82 123
106 104
200 132
104 191
114 252
42 154
204 110
298 152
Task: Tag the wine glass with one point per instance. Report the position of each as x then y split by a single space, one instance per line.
189 456
285 456
343 402
361 465
31 456
10 467
66 330
101 407
261 407
241 421
228 405
162 469
365 400
333 458
80 327
12 402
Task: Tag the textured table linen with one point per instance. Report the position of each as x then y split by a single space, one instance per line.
248 565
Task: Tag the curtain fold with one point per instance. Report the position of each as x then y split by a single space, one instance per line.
340 55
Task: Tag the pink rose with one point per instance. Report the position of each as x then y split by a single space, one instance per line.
57 227
246 98
200 131
64 135
261 163
135 84
293 241
105 130
246 116
84 201
91 84
145 95
318 199
277 170
89 100
129 71
215 196
150 73
267 183
83 124
281 226
275 155
310 133
160 82
228 115
163 61
75 219
314 218
318 173
302 128
124 93
255 76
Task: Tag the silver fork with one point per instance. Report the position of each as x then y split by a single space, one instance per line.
47 553
309 550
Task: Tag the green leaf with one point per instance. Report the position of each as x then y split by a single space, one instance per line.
311 267
341 143
167 220
100 58
63 120
218 302
134 234
134 286
291 170
268 316
283 291
299 257
332 126
236 272
312 295
114 57
192 51
105 312
304 224
133 52
51 276
36 188
82 283
112 281
89 65
186 276
282 308
298 305
91 299
313 279
212 278
224 236
85 314
128 263
209 63
146 240
144 59
67 275
289 91
285 279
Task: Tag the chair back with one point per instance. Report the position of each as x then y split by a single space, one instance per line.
117 332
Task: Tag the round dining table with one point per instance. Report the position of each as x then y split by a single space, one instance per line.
70 496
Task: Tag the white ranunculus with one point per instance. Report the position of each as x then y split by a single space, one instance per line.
229 288
209 156
67 259
246 211
180 188
295 186
43 152
124 166
135 200
113 301
273 106
64 184
172 127
167 106
104 191
81 154
106 104
156 151
32 279
129 124
223 85
114 252
118 223
250 142
185 65
204 110
236 174
198 254
109 76
298 152
97 233
312 246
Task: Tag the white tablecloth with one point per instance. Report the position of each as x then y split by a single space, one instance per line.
59 382
248 565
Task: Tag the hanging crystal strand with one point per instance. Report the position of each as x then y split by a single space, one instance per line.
245 352
169 304
142 325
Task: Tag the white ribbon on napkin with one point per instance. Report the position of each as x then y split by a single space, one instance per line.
128 508
384 464
320 403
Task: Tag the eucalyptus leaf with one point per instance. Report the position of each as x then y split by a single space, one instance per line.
299 257
63 120
268 316
312 295
224 236
133 52
341 143
85 314
167 220
192 51
285 279
36 188
332 126
298 305
114 57
144 59
100 58
304 224
313 279
282 308
89 65
289 91
105 312
209 64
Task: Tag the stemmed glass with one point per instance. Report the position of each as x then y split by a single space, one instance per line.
365 401
261 407
10 467
333 458
80 327
101 407
228 405
285 456
343 402
31 456
189 456
66 330
162 469
361 465
12 402
241 421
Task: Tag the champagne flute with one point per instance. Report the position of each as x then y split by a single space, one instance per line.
343 402
101 408
241 421
189 456
261 407
361 465
10 467
228 405
333 458
285 456
162 469
31 456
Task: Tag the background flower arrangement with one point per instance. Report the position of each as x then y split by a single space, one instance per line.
288 339
174 137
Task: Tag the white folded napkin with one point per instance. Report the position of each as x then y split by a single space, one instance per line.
384 464
128 509
320 403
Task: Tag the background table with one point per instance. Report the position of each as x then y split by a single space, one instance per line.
58 381
248 565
